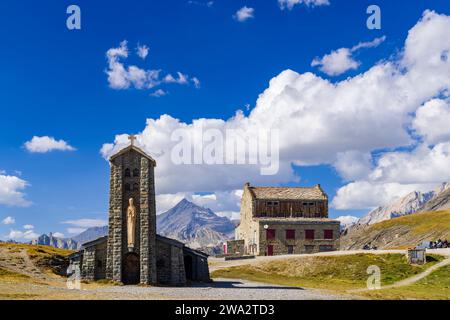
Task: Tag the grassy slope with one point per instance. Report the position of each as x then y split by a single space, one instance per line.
435 286
402 232
333 272
420 223
45 257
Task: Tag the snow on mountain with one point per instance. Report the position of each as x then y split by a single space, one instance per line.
196 226
347 221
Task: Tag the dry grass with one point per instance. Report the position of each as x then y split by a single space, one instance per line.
339 273
436 286
10 275
421 223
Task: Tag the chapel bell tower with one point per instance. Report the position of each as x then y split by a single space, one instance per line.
131 256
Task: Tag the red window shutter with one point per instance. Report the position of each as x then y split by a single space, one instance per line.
309 234
328 234
290 234
270 234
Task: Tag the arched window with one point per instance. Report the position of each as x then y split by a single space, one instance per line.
127 187
136 173
127 172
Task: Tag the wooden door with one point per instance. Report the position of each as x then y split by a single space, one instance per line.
270 250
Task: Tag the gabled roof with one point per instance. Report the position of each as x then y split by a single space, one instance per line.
128 149
287 193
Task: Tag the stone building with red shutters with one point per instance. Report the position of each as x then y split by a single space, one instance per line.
286 220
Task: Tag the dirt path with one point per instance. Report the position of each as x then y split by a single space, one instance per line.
220 263
419 276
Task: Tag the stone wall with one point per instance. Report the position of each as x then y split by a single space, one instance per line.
198 265
169 262
163 262
88 266
132 176
299 244
177 271
100 261
114 249
248 228
148 222
236 247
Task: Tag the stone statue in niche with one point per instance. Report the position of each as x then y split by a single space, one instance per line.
131 223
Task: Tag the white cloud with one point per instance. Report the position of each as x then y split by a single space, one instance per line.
10 191
369 44
289 4
158 93
20 235
432 121
225 203
353 165
196 82
28 227
244 14
341 60
142 51
323 122
87 223
58 235
232 215
9 220
46 144
369 195
208 4
180 79
337 62
122 77
424 165
395 175
76 230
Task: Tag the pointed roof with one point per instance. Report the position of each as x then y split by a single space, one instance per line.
130 148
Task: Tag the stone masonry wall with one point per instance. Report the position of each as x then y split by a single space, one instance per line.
177 272
248 228
88 267
114 250
147 223
235 247
300 244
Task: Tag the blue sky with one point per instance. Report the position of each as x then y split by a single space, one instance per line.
54 83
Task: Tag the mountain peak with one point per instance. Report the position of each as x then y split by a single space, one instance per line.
194 225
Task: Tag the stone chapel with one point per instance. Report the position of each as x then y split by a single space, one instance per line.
133 252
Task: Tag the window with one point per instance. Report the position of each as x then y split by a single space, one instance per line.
127 187
309 234
272 203
127 172
290 234
136 173
290 249
270 234
99 263
135 186
328 234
